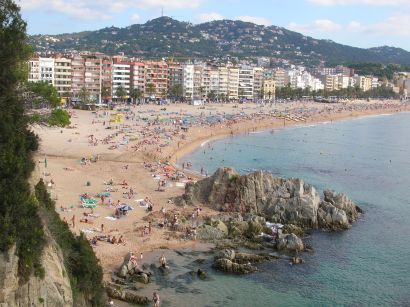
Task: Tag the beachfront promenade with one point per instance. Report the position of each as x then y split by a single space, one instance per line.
108 159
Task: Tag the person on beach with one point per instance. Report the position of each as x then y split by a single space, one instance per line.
162 261
73 221
155 299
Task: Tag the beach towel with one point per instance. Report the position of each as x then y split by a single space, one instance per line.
110 218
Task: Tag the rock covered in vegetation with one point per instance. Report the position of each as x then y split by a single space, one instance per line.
286 201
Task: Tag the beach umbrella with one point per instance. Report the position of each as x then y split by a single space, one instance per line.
126 207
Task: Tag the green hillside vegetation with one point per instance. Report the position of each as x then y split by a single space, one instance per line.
166 37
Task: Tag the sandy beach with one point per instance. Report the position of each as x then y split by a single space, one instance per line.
125 160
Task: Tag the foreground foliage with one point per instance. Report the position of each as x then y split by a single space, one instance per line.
82 266
19 221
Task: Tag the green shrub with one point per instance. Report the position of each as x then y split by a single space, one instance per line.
59 118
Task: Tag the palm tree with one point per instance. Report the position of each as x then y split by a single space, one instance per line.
84 95
120 92
136 94
105 93
150 89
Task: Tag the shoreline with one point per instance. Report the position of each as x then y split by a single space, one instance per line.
64 150
199 142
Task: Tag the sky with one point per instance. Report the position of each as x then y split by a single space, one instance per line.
359 23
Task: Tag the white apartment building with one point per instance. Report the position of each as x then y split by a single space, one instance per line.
121 77
343 81
246 82
47 70
188 72
41 69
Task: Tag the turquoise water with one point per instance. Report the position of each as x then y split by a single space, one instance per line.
368 265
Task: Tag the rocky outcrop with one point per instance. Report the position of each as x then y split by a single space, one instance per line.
229 261
286 201
207 232
130 272
228 266
290 243
52 290
118 293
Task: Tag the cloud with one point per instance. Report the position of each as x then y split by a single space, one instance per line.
320 25
361 2
206 17
395 25
135 18
102 9
255 19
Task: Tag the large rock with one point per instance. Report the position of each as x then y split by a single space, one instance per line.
286 201
332 217
227 254
342 202
228 266
118 293
207 232
290 242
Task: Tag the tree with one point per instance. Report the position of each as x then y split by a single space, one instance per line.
135 94
84 95
150 89
44 92
20 224
211 95
241 93
176 91
121 93
105 93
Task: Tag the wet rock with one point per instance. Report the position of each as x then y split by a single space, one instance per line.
119 293
142 278
296 260
227 254
226 265
251 258
290 242
201 274
164 269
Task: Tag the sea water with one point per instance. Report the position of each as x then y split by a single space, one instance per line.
368 265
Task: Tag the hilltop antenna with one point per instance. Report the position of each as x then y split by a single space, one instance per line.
162 12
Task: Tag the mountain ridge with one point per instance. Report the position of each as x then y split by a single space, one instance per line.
166 37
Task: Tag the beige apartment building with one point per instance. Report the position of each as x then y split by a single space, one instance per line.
62 76
269 89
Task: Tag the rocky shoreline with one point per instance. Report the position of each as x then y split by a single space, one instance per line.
262 218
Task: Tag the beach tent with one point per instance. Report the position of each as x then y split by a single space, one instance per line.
117 118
